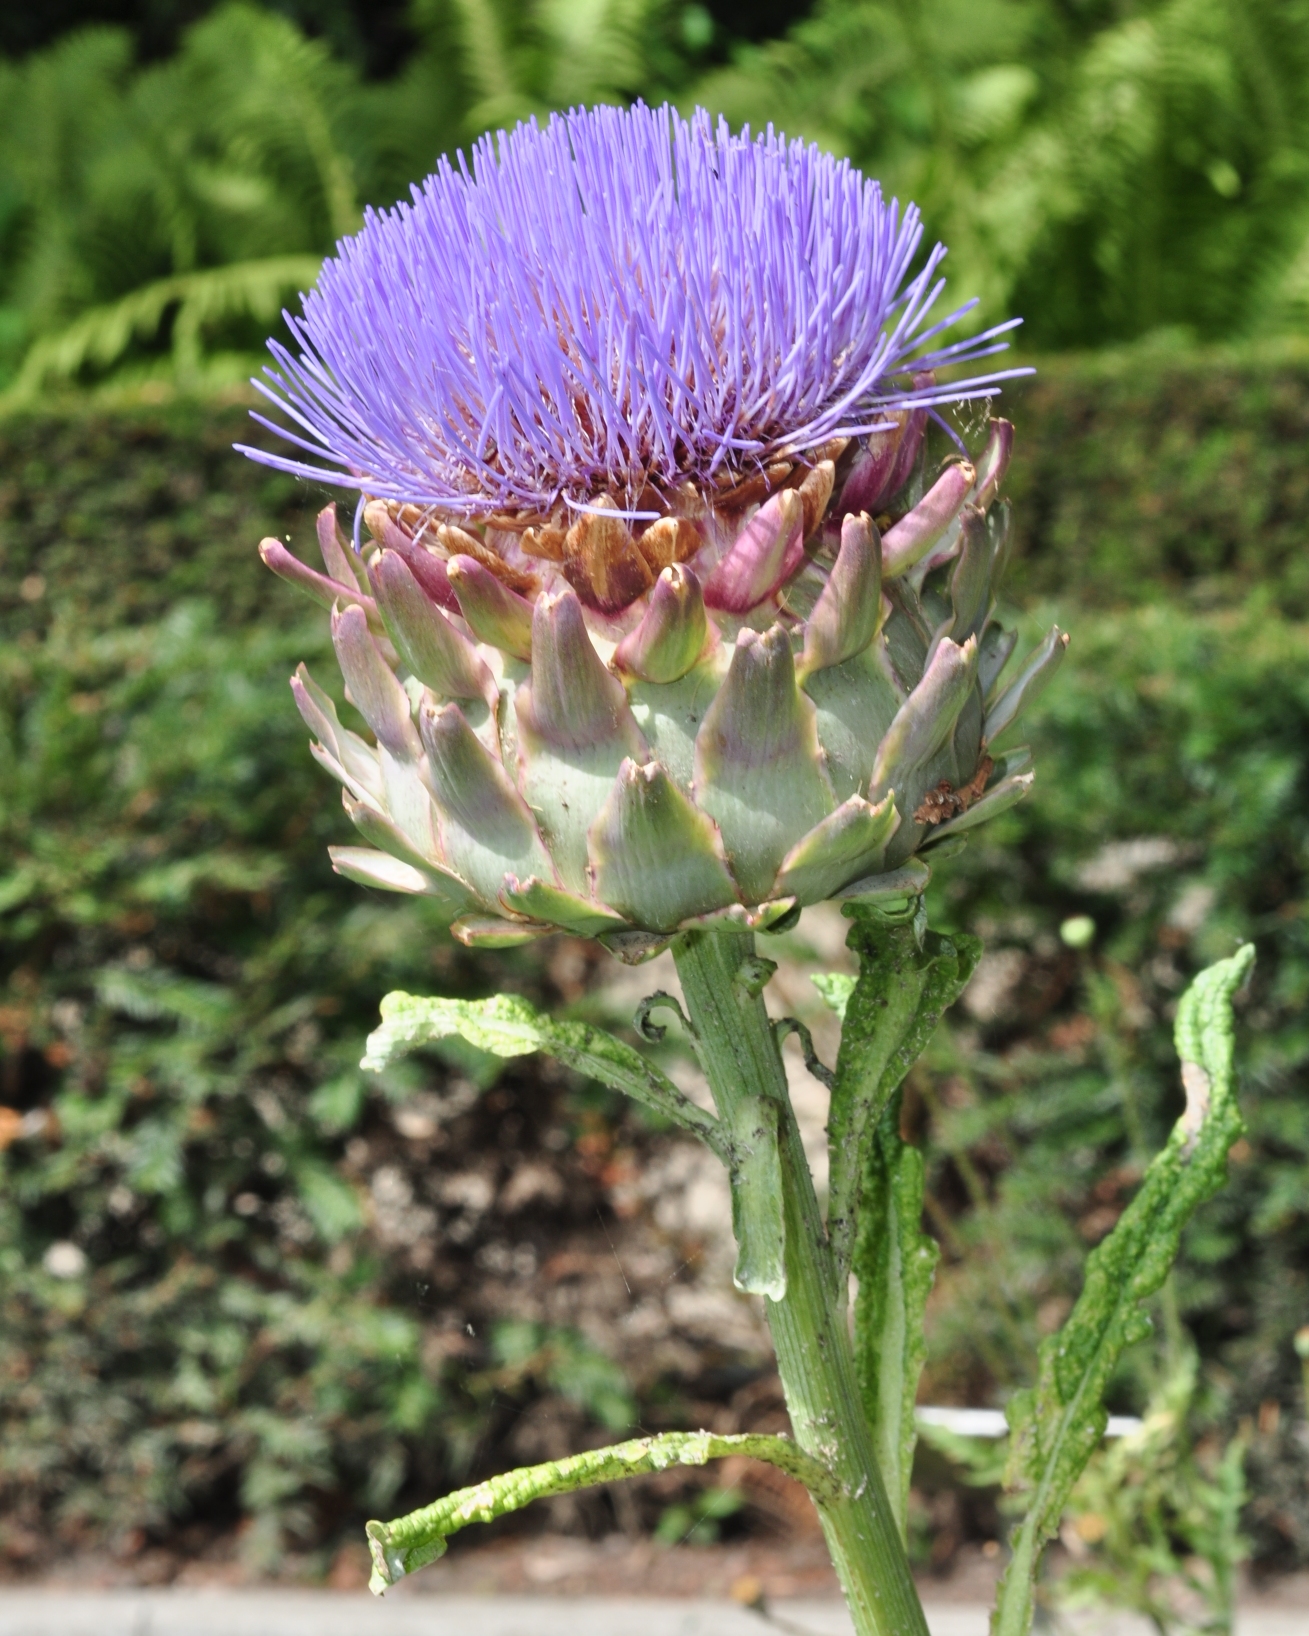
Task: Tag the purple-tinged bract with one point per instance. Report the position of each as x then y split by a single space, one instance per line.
665 606
611 305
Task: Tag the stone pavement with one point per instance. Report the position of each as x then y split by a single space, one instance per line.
214 1612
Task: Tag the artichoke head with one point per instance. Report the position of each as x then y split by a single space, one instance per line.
775 692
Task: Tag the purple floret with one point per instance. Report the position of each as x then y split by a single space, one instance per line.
621 300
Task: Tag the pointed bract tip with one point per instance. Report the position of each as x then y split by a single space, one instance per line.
376 693
673 631
909 540
440 656
338 558
572 699
993 462
495 614
324 591
848 614
767 551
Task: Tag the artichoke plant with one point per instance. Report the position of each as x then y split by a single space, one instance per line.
669 605
664 616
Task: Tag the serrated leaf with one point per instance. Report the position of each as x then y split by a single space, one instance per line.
1058 1423
891 1013
507 1026
401 1547
895 1263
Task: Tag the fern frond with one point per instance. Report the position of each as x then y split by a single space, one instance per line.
100 338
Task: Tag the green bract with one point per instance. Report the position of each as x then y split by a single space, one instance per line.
790 708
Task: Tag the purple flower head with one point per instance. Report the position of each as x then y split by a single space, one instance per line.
612 305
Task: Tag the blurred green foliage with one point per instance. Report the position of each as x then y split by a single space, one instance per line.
1172 811
187 990
1108 172
159 217
1189 477
1104 170
564 1363
1154 1523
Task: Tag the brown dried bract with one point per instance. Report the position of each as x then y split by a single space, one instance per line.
947 802
749 491
546 542
602 563
458 542
670 540
815 492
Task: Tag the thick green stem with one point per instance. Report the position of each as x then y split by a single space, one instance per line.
741 1058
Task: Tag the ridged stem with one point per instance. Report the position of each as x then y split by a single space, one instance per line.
814 1357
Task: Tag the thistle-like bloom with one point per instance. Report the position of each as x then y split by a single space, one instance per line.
620 302
665 614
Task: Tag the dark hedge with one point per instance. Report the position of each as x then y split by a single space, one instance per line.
1153 471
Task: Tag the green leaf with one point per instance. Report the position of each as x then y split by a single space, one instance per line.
1058 1423
507 1026
329 1201
895 1263
399 1548
836 987
890 1014
338 1102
